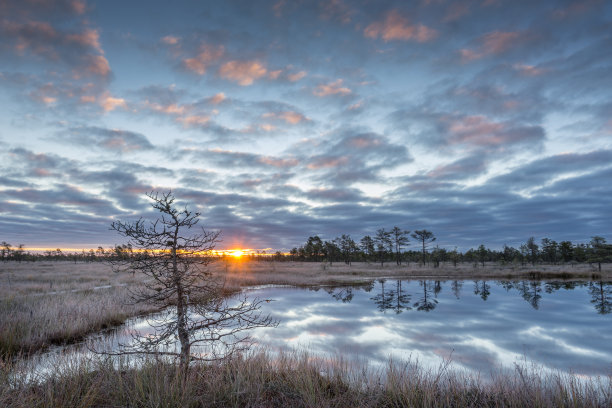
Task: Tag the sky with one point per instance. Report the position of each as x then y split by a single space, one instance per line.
486 122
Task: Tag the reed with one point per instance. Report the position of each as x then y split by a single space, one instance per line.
296 380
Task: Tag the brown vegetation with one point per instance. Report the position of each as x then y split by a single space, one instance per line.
297 380
45 303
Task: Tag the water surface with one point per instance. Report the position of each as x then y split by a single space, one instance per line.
480 325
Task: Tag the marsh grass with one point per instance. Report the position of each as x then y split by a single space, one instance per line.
42 304
296 380
45 303
31 323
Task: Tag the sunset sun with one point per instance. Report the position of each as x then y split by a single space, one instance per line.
237 253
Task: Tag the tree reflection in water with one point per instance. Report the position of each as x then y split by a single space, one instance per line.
394 296
601 295
426 303
482 288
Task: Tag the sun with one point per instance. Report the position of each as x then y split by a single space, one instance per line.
237 253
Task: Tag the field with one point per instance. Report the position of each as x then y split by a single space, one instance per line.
46 303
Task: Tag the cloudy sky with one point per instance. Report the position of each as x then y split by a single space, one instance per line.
484 121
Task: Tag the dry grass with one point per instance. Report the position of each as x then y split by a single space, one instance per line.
313 273
296 380
47 303
56 303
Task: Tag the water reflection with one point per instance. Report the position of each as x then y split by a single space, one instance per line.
561 325
395 298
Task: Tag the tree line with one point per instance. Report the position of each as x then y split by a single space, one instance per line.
391 246
383 246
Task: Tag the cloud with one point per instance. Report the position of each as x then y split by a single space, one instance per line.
332 88
356 156
289 117
397 27
108 139
495 43
170 40
296 76
110 103
217 98
80 50
206 56
239 160
242 72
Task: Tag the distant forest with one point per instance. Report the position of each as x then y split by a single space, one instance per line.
383 247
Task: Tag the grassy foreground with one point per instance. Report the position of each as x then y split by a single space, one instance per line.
296 380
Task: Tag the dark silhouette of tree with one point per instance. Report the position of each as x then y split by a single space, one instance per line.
314 248
344 294
367 246
482 254
347 247
456 288
482 288
426 303
601 296
600 251
532 292
332 252
550 250
566 250
401 300
455 256
384 300
425 237
6 250
383 243
532 250
399 238
173 254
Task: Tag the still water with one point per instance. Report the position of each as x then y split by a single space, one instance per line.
480 325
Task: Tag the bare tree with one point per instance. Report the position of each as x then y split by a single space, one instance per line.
173 254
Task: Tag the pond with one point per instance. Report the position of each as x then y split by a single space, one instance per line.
479 325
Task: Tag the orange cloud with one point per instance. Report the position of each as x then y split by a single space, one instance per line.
327 162
499 41
528 70
171 109
397 27
217 98
88 38
333 88
242 72
170 40
110 103
297 76
289 116
202 61
98 65
194 120
78 6
275 74
496 42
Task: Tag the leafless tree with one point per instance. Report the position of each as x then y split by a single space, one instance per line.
173 253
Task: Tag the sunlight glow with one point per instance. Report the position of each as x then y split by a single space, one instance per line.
236 252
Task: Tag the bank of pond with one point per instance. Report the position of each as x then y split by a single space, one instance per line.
478 335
